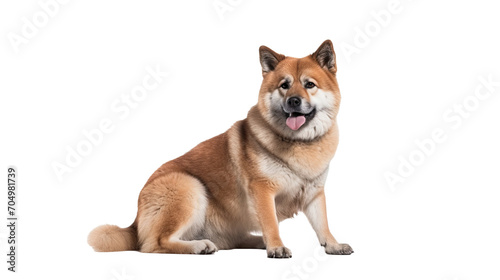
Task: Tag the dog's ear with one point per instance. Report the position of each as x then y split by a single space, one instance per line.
325 56
269 59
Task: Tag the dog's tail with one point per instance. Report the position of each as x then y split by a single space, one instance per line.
111 238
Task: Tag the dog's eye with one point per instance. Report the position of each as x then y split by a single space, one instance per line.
285 85
310 85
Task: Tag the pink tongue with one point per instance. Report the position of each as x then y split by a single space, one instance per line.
295 122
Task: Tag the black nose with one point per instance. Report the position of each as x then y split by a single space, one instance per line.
293 102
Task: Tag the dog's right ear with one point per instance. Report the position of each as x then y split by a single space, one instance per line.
269 59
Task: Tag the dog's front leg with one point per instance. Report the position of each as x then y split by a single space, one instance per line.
316 214
263 193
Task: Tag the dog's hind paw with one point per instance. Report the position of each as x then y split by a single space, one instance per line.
205 247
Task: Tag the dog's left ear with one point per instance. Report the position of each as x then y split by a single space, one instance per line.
325 56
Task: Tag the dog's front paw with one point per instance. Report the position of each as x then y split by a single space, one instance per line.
279 252
338 249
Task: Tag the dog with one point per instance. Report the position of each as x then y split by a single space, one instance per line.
264 169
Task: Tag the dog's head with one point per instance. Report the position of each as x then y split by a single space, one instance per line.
299 97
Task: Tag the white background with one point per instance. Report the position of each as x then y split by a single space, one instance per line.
442 222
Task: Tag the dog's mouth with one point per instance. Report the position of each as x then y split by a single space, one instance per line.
296 120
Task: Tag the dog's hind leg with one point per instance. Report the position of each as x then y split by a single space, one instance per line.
171 211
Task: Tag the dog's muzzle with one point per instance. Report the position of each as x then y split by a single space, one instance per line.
295 115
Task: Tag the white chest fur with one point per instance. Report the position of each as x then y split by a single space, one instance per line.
295 190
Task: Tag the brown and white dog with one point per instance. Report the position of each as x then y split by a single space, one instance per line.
263 170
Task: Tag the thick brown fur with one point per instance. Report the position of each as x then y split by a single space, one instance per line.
249 178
